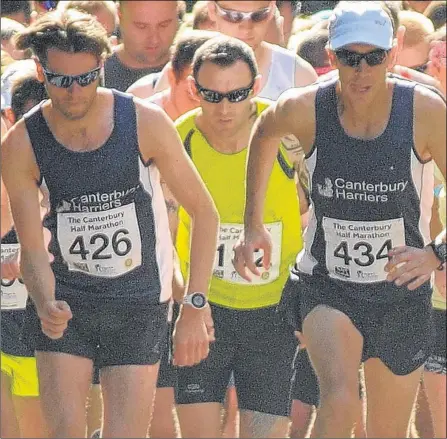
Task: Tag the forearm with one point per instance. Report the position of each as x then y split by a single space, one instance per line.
38 276
203 250
261 156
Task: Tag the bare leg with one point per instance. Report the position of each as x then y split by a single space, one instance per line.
128 397
303 418
9 423
263 425
231 414
64 385
390 400
30 417
335 348
202 420
94 409
164 420
435 389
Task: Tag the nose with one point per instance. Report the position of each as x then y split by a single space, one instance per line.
363 65
153 37
246 25
225 106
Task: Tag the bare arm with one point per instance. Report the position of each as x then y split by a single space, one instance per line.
408 265
304 73
21 177
164 146
6 217
275 123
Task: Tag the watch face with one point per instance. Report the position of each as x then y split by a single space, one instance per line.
198 300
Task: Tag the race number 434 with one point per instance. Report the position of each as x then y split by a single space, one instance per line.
357 251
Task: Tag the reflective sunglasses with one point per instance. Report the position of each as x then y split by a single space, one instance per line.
353 59
238 16
234 96
66 81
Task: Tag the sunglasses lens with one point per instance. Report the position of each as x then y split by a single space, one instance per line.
375 58
260 15
60 81
211 96
239 95
87 78
232 16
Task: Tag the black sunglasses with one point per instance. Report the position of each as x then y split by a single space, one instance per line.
66 81
239 16
353 59
233 96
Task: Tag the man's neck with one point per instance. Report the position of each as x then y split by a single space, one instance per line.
231 142
365 117
132 63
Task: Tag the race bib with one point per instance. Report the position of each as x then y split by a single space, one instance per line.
105 244
357 251
229 235
14 294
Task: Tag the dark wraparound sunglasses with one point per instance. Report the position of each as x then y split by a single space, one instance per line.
66 81
353 59
233 96
238 16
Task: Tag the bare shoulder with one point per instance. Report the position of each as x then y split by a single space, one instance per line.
429 108
156 131
17 152
428 97
296 108
300 99
143 88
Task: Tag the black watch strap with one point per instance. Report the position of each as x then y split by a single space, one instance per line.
440 251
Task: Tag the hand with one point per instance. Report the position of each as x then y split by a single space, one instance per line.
10 267
412 266
253 239
54 316
194 330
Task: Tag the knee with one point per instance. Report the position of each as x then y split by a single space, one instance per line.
342 400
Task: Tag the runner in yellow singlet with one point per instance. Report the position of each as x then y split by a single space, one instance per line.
250 341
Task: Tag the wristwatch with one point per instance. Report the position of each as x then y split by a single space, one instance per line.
196 300
440 251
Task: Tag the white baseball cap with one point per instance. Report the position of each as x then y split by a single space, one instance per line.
360 22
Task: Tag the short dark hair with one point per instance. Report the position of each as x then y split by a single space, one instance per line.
225 51
312 47
70 31
436 12
24 89
185 49
11 7
294 4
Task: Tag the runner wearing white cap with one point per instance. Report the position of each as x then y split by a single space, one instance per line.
364 274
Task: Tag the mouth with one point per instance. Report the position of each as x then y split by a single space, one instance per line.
362 89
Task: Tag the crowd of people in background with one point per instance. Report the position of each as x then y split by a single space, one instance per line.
129 128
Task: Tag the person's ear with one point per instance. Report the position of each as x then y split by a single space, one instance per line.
212 11
332 58
257 86
10 116
39 69
192 87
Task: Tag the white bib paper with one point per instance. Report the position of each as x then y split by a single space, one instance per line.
14 294
229 235
357 251
105 244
